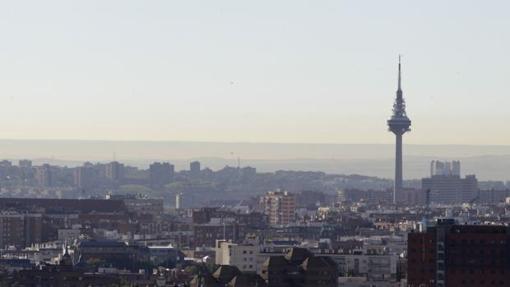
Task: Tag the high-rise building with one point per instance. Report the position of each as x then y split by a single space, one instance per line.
44 176
25 169
398 124
456 167
178 200
279 206
160 174
114 171
444 168
32 229
194 167
11 229
459 255
84 177
446 186
19 230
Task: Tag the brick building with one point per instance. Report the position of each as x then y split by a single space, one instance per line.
279 206
19 230
459 255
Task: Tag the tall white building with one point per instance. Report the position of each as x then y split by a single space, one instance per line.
178 200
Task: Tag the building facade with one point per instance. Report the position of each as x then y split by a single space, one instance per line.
243 256
44 176
114 171
445 168
279 206
459 255
160 174
20 230
451 189
194 168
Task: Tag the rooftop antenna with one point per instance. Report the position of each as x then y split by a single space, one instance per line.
399 73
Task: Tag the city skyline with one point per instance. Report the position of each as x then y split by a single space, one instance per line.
254 143
228 72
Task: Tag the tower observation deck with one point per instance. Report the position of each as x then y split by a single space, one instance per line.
398 124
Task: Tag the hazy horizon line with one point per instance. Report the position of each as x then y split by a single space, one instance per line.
242 142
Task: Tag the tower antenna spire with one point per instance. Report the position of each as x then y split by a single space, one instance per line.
399 74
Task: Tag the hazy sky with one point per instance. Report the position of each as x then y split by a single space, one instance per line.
256 71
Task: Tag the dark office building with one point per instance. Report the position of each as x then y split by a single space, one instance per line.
451 189
194 168
19 229
161 174
459 255
447 186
